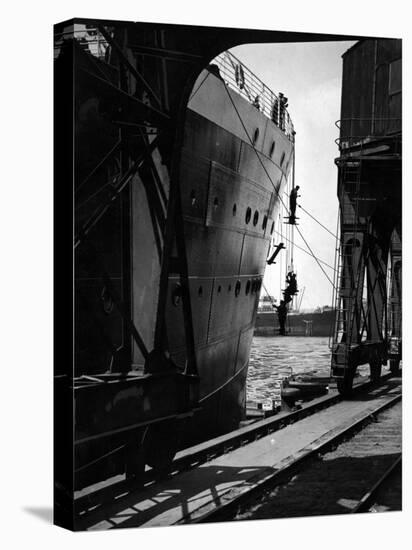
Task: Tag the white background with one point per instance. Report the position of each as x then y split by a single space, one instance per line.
26 273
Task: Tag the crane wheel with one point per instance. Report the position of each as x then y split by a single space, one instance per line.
345 384
161 445
375 370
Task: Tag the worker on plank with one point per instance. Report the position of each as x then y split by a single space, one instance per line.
292 204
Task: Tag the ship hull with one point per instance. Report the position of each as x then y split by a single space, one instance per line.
230 200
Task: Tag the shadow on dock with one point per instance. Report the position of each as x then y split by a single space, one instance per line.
177 498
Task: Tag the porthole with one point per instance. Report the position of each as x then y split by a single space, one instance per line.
247 290
272 228
177 294
255 136
248 214
237 288
272 149
265 222
193 198
200 292
282 158
234 209
255 217
107 300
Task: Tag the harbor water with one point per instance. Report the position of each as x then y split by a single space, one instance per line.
273 358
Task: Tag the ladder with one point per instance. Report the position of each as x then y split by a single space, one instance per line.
346 282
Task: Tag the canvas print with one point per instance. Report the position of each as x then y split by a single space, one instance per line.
228 259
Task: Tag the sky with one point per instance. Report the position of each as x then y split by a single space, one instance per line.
310 75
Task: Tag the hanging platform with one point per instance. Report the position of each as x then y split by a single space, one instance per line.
279 247
291 220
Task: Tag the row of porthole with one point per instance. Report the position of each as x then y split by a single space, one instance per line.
248 214
251 286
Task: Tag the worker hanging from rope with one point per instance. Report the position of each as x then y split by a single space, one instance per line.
292 204
282 309
292 287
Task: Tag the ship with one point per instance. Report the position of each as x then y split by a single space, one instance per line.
162 347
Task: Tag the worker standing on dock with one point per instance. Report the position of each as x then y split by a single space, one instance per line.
282 311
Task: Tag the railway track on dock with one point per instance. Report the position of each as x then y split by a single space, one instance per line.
215 480
352 471
386 493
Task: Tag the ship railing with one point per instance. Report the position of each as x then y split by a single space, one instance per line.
265 308
361 131
245 83
88 38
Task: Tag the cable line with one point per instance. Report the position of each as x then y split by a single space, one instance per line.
324 272
271 181
305 251
257 154
198 88
268 295
334 235
317 221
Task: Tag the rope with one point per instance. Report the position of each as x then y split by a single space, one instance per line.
200 85
292 228
334 235
251 143
305 251
317 221
271 181
281 256
324 272
268 295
